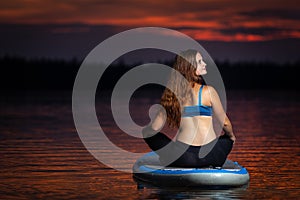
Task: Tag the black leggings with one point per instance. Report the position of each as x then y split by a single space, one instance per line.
179 154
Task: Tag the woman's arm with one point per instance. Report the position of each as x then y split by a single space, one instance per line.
156 125
227 128
220 113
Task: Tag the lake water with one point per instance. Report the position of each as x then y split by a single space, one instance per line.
42 156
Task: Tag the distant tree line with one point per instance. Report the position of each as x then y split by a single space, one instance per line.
45 74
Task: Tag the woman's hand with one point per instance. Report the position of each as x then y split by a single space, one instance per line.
232 137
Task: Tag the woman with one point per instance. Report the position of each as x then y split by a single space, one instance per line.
191 112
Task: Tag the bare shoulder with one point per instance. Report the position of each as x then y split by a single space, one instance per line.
206 95
212 93
211 90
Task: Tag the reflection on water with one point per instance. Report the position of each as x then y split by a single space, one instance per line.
43 157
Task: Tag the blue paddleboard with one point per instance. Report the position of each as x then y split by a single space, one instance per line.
148 169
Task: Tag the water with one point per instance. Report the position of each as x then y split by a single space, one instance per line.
42 156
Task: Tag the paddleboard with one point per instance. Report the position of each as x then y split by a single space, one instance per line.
148 169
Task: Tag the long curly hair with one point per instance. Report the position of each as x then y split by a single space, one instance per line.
185 63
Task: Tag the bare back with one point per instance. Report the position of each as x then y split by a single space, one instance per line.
198 130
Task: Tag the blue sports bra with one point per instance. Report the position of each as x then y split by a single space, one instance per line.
197 110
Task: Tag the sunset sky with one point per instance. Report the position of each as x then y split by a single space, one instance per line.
230 21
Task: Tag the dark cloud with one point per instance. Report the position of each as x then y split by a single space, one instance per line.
290 14
52 41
